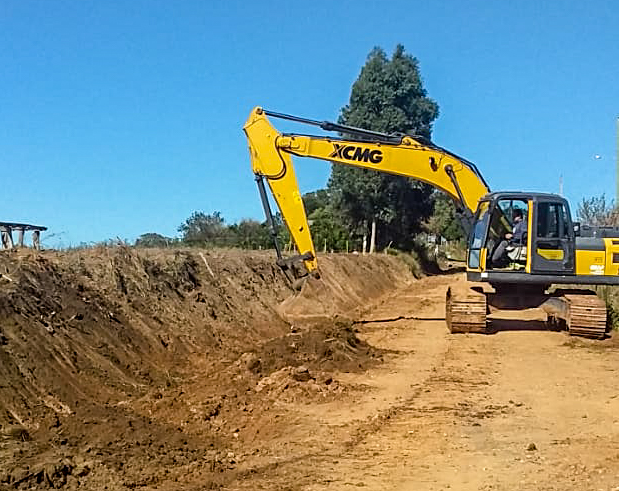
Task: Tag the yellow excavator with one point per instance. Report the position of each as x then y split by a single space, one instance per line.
520 244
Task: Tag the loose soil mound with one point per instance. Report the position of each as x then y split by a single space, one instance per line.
333 346
126 368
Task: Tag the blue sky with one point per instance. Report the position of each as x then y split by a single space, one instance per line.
123 117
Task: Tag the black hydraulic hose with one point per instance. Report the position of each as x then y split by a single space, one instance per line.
268 214
328 126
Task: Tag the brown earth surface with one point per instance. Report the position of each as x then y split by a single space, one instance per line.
187 370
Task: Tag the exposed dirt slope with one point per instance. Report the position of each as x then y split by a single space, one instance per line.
125 368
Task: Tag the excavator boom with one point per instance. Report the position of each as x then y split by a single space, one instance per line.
271 156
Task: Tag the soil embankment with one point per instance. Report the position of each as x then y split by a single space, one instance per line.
125 368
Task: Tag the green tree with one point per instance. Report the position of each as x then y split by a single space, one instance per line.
326 225
153 240
315 199
283 235
389 97
444 221
250 234
205 229
327 229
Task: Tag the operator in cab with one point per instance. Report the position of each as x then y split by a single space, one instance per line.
513 247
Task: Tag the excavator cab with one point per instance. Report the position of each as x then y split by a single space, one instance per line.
516 233
553 255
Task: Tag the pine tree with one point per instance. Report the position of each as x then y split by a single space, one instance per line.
389 97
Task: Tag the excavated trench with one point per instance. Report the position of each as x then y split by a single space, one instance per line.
167 369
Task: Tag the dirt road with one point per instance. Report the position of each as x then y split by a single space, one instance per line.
521 409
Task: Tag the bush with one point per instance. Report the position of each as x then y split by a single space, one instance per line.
411 259
610 295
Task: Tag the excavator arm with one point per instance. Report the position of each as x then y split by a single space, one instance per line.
271 157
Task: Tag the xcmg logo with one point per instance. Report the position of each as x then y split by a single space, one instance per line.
360 154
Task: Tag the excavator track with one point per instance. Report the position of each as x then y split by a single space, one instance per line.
586 315
580 312
465 311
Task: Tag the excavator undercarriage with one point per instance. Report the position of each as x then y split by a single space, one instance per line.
474 308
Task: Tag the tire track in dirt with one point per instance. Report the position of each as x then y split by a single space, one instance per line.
415 446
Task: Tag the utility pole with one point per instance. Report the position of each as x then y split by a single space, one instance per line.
617 163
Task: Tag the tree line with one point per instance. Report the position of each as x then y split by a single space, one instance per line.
328 227
359 209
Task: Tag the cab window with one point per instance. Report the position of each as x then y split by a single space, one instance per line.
503 218
479 231
552 221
